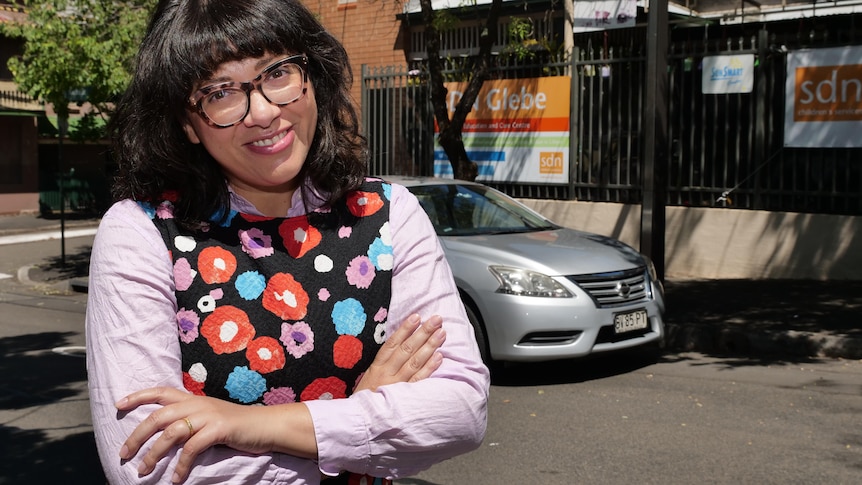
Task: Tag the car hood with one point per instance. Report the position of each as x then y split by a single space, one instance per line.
557 252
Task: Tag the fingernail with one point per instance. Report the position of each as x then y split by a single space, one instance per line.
122 402
142 469
175 477
124 452
414 318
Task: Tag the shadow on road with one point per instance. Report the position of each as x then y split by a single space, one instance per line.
571 371
35 376
30 457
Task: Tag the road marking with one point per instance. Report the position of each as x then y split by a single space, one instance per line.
44 236
3 276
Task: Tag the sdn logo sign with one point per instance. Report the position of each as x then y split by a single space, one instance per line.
550 162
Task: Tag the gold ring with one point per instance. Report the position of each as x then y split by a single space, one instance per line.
189 424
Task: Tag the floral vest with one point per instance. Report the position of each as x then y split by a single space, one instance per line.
278 310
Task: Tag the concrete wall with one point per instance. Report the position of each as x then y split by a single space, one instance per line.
730 243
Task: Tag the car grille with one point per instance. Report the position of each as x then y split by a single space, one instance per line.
615 288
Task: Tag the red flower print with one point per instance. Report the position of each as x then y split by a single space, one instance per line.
193 386
347 351
363 204
285 297
299 236
227 329
265 355
254 218
216 265
324 388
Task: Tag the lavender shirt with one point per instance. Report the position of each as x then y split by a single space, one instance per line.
397 431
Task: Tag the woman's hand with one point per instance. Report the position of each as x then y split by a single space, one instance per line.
197 423
409 354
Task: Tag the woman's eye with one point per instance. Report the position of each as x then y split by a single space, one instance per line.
220 96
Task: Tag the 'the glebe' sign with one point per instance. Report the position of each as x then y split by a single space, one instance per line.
517 131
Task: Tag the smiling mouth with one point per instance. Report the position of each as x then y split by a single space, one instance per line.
270 141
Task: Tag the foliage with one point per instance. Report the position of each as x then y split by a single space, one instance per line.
74 45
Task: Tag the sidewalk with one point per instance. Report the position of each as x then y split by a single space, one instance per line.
771 319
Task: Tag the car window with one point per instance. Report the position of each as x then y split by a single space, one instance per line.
457 209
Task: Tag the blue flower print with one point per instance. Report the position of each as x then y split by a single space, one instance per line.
250 285
148 208
387 191
380 254
245 385
349 317
218 214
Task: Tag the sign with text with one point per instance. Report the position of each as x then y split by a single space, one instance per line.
517 131
728 74
824 98
592 15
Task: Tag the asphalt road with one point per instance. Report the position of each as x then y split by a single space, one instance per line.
683 419
46 433
637 418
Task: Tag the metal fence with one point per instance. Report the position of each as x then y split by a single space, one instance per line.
725 150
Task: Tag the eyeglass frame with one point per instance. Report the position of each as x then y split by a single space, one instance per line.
256 84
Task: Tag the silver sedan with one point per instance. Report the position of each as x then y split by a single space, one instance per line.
533 290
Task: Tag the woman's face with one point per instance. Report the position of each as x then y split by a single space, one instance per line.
261 155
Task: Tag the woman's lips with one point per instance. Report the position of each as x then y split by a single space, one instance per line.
272 145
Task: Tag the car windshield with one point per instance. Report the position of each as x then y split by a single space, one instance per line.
467 210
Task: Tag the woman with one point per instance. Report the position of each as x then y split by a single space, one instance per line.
243 285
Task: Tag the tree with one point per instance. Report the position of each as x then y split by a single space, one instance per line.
450 128
77 47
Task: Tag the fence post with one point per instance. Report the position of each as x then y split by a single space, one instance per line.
652 242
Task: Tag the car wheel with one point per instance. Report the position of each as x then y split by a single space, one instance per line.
481 338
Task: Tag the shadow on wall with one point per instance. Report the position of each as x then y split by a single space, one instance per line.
713 243
729 243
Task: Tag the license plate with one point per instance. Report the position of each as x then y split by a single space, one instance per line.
626 322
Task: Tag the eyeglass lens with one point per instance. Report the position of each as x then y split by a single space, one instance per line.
281 84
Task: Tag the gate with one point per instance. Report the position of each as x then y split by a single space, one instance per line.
724 150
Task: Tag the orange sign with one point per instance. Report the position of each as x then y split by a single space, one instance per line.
828 93
535 104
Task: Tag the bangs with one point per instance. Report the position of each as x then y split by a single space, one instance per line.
206 34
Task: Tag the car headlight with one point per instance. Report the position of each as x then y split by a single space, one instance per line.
515 281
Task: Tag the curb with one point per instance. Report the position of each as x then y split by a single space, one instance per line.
62 286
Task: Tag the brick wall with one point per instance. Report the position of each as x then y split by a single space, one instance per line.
367 28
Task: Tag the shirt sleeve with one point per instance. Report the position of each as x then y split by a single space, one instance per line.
132 344
402 429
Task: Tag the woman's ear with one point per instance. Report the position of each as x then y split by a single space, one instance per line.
190 132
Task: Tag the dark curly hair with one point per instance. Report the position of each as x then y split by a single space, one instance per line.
187 41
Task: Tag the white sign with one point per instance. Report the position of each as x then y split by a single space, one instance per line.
824 98
728 74
591 15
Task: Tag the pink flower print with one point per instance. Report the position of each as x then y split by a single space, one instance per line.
298 339
381 315
255 243
183 274
165 210
323 294
360 272
187 324
345 232
279 395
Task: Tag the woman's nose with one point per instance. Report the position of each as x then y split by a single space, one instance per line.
260 111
